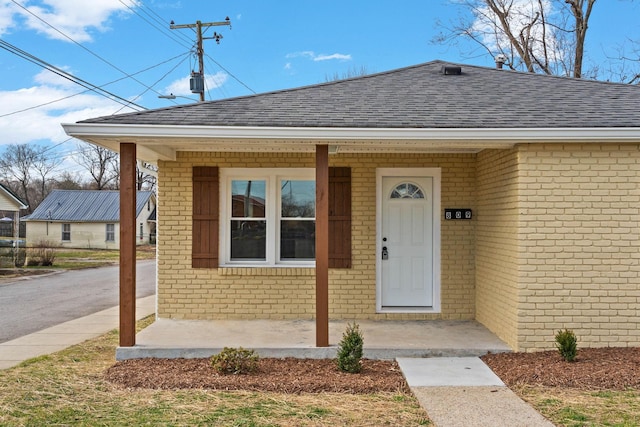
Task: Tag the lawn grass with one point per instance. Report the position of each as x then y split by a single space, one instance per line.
75 259
584 408
67 388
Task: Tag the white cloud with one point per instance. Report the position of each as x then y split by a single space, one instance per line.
319 57
338 56
35 113
181 86
302 54
73 18
7 10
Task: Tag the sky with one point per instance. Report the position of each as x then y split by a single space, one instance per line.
126 48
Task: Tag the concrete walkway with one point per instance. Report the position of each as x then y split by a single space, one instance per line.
66 334
463 392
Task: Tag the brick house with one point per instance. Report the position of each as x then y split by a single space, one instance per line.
437 191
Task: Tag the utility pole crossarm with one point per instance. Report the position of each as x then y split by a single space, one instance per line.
200 51
202 24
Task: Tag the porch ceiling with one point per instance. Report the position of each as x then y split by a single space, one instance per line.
157 142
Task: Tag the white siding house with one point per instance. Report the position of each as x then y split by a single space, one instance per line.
88 219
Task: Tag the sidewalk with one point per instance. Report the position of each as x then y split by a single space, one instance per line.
66 334
463 392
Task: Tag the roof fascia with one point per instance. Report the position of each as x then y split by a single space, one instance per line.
159 132
11 195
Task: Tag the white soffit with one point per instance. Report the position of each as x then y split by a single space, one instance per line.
159 142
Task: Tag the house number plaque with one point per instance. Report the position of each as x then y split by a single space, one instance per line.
457 214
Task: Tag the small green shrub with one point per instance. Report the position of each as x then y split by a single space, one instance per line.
350 350
235 361
567 345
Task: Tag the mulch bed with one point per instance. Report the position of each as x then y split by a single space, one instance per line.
610 368
594 369
288 375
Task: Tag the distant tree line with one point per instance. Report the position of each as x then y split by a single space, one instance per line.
33 171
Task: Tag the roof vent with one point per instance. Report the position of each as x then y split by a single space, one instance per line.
500 61
451 70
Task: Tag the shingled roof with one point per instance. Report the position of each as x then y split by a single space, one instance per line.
419 96
84 206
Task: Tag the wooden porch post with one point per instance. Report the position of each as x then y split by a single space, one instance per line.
127 245
322 246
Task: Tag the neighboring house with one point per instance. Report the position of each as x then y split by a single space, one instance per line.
442 191
88 219
10 207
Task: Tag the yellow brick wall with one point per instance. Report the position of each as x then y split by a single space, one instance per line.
275 293
579 244
497 243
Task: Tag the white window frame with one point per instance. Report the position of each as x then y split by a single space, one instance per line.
272 178
66 232
112 232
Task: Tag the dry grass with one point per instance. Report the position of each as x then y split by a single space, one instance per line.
68 388
574 407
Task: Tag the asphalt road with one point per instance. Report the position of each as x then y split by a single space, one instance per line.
31 304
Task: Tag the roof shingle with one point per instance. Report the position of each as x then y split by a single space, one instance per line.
419 96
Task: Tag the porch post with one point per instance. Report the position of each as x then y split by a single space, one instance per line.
322 245
127 245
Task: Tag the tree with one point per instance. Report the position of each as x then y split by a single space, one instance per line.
102 165
18 166
544 36
146 176
69 181
350 73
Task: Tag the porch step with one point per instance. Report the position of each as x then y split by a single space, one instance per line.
142 351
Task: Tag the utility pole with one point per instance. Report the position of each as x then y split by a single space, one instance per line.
197 79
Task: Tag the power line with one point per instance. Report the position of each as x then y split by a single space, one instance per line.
157 81
83 47
161 28
231 74
35 60
101 86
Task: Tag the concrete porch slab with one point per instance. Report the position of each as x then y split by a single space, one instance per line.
167 338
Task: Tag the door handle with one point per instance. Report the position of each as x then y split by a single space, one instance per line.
385 253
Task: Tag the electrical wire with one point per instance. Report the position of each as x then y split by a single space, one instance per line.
35 60
83 47
188 54
231 74
157 81
170 35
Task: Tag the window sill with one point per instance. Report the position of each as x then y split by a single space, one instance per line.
280 270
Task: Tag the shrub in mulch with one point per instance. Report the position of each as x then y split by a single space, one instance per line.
611 368
288 375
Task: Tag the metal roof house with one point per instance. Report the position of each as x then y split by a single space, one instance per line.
88 218
436 191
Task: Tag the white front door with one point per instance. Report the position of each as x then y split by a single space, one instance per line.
406 243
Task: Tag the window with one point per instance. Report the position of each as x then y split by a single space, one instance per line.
268 216
66 232
407 190
111 233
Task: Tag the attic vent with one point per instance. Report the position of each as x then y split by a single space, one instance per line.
451 70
